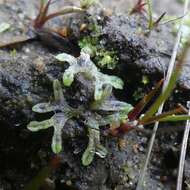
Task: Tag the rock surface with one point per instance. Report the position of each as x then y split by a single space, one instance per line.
26 76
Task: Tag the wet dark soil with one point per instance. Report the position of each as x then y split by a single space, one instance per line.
26 75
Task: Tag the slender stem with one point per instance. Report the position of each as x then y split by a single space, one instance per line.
145 100
169 84
42 17
172 20
159 19
66 10
45 9
183 153
160 116
150 21
166 82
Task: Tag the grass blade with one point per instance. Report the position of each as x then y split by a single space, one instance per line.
166 82
140 106
159 19
183 153
150 21
66 10
170 85
174 118
162 116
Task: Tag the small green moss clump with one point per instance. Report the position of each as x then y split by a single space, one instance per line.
93 46
107 59
85 4
89 45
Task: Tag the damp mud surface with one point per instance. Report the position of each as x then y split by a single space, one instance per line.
27 71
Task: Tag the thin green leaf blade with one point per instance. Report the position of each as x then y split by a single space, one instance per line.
171 84
153 119
145 100
175 118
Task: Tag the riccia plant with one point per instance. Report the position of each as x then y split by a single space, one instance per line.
63 112
84 65
104 110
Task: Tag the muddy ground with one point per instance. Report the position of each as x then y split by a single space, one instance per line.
26 75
